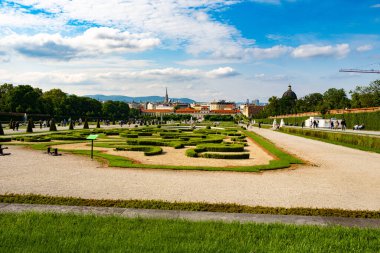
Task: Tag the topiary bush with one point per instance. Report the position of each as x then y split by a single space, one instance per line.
85 125
71 126
191 153
29 128
52 127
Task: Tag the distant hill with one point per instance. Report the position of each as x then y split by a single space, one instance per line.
137 99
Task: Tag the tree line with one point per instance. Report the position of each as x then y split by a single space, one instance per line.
361 97
56 103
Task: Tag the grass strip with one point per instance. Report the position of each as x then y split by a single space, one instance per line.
361 142
36 232
185 206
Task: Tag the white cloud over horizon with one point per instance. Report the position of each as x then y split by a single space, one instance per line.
93 41
311 50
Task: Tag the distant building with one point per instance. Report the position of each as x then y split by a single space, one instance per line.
222 105
289 93
250 110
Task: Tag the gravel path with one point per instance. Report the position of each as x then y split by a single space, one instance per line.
340 178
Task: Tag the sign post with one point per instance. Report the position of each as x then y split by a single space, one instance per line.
92 137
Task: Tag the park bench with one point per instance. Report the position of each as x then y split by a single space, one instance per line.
2 151
54 152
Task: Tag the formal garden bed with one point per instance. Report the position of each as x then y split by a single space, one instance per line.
170 147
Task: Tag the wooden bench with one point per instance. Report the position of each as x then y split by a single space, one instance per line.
2 152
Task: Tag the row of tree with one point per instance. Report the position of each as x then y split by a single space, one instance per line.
361 97
56 103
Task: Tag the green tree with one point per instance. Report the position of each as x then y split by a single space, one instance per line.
25 98
5 90
54 102
335 99
366 96
98 123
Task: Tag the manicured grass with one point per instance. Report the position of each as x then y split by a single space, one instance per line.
361 142
184 206
34 232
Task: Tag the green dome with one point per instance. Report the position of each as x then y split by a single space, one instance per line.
289 93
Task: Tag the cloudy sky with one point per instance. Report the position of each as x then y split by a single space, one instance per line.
201 49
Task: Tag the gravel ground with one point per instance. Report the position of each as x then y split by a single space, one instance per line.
339 177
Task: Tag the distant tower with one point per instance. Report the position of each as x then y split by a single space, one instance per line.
166 101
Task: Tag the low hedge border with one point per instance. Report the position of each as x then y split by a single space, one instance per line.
5 139
362 142
221 147
186 206
148 151
225 156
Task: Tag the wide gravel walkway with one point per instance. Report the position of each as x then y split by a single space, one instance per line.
339 177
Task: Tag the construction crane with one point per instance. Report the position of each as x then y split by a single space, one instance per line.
359 70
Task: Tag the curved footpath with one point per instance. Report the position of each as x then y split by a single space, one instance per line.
339 177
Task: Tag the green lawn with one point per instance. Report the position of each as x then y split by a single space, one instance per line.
33 232
184 206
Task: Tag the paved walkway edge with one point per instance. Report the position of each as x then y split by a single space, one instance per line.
194 216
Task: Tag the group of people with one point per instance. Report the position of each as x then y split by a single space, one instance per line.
335 124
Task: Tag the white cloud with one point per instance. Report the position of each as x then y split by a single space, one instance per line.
311 50
272 78
364 48
92 42
376 6
176 22
222 72
4 57
81 77
268 53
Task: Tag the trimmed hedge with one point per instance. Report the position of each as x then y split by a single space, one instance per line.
191 153
369 119
222 147
5 139
36 139
361 141
69 137
225 156
148 151
144 134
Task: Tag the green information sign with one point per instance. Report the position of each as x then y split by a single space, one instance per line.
92 137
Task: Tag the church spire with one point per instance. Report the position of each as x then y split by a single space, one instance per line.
166 101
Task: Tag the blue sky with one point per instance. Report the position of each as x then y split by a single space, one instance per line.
202 49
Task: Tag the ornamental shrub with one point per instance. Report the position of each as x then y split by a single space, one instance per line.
85 125
52 127
1 129
29 128
71 127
